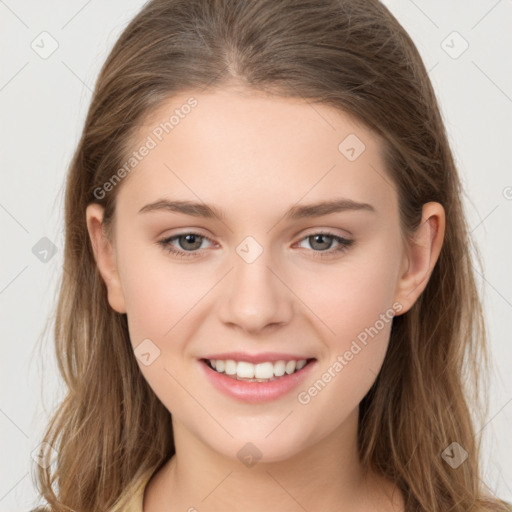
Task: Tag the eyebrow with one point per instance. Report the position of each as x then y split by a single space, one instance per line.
295 212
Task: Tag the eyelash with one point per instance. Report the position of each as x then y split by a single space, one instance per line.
344 243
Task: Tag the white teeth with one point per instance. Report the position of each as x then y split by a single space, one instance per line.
230 367
279 368
245 370
301 364
264 371
290 367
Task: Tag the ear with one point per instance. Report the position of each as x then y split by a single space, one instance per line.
422 252
104 255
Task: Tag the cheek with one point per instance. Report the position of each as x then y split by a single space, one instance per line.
159 294
351 297
161 299
355 303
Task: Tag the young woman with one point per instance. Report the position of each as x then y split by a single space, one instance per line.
268 300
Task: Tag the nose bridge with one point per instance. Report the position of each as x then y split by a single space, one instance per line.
256 297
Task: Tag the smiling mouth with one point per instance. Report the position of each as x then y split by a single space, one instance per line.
263 372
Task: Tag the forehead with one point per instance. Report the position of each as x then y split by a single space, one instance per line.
239 149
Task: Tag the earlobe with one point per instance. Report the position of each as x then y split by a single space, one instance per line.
104 255
423 252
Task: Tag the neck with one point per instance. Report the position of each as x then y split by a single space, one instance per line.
320 477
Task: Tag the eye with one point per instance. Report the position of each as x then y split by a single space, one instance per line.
322 243
189 242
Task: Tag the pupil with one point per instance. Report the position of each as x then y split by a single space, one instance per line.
321 237
189 239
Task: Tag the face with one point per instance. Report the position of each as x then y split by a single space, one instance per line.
298 257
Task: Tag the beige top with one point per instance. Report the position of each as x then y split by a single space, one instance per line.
135 504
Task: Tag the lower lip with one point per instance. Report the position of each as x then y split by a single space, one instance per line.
256 392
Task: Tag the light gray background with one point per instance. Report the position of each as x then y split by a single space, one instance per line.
43 107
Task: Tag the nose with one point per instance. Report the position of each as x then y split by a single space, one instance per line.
256 296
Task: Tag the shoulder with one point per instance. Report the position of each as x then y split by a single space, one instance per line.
131 501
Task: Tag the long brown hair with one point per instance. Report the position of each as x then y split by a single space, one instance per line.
111 432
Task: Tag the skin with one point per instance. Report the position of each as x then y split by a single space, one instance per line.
254 156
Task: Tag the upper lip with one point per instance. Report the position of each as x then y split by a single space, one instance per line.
257 358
